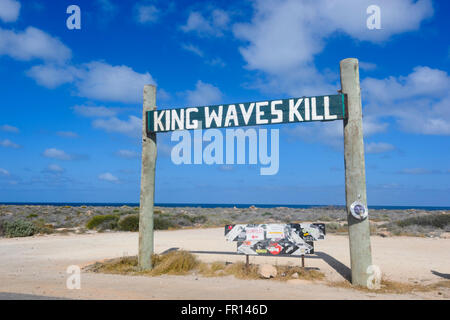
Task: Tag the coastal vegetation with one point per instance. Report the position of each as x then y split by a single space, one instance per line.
35 219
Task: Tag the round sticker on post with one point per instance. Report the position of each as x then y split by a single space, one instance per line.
358 210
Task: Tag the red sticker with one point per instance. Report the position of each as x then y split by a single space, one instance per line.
274 248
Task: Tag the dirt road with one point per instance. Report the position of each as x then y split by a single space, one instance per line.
37 266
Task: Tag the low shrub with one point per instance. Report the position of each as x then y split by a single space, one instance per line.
42 227
103 222
434 220
335 227
160 223
19 228
129 223
32 215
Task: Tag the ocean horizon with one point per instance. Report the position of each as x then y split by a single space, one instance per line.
220 205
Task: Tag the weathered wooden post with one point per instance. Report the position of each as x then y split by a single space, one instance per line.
355 176
147 197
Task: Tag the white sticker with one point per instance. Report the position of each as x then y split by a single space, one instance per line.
275 231
254 234
359 210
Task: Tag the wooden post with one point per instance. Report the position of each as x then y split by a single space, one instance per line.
355 176
147 197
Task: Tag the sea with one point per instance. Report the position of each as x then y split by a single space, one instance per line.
219 205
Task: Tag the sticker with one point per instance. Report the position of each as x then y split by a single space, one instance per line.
274 248
254 233
358 210
261 251
275 231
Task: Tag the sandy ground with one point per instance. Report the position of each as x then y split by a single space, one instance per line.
37 266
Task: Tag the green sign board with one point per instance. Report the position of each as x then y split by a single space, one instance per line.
320 108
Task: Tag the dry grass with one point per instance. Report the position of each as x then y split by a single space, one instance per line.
176 262
288 272
182 263
389 286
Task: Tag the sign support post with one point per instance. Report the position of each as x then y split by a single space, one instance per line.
147 196
355 176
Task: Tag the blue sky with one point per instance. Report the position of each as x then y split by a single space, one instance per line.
71 100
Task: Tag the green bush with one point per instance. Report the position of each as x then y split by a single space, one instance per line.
19 228
332 227
42 227
103 222
32 215
129 223
199 219
160 223
434 220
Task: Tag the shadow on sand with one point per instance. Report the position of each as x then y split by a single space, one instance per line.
340 268
442 275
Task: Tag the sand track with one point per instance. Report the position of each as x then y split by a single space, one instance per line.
37 265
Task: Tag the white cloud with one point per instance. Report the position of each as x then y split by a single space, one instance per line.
51 76
162 94
378 147
67 134
112 83
9 10
128 154
4 172
108 177
330 133
419 102
204 94
95 80
95 112
367 66
56 154
371 126
108 10
33 44
147 14
106 5
423 81
8 128
132 127
284 37
54 168
396 17
9 144
216 22
416 171
191 48
216 62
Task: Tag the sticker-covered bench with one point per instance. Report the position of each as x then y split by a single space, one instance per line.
294 239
